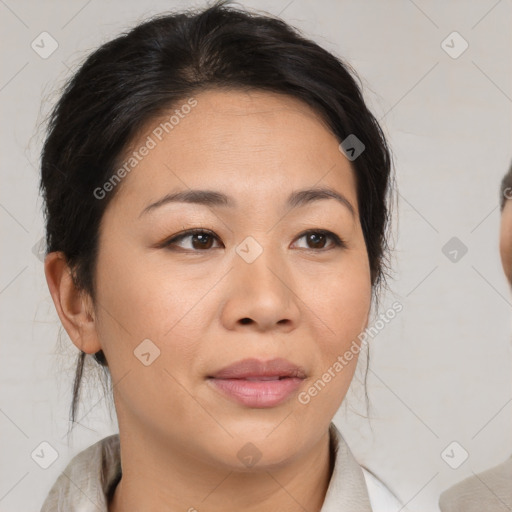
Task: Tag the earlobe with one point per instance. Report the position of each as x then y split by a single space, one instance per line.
73 306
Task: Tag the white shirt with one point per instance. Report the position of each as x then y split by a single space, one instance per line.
381 498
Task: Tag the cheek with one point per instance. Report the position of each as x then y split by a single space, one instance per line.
143 285
506 250
343 310
348 320
342 300
138 300
506 239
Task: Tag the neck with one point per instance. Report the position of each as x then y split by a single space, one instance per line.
164 478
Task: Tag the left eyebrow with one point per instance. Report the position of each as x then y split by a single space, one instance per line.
212 198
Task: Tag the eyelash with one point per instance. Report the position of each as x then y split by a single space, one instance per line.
337 241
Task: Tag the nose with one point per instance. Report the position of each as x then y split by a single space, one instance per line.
261 294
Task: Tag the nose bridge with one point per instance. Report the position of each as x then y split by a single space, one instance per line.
257 254
262 270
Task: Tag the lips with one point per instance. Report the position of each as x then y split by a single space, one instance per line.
258 384
254 369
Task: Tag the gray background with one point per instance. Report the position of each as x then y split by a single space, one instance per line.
440 371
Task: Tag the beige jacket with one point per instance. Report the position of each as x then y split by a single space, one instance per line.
489 491
88 482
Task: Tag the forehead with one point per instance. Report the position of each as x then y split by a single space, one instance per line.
251 142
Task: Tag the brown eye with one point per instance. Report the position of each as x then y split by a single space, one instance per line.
200 240
316 239
204 241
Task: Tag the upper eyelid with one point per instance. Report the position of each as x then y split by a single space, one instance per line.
192 232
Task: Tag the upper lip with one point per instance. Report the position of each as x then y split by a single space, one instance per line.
253 368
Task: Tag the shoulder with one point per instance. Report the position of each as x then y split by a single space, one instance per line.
489 490
83 484
360 481
381 498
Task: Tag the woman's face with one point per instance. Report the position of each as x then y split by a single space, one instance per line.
255 287
506 239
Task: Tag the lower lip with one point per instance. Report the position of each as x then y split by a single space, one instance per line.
258 394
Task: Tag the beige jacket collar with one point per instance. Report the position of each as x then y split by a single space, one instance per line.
90 478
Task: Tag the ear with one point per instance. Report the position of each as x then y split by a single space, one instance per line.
73 306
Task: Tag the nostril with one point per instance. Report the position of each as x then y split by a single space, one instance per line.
246 320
